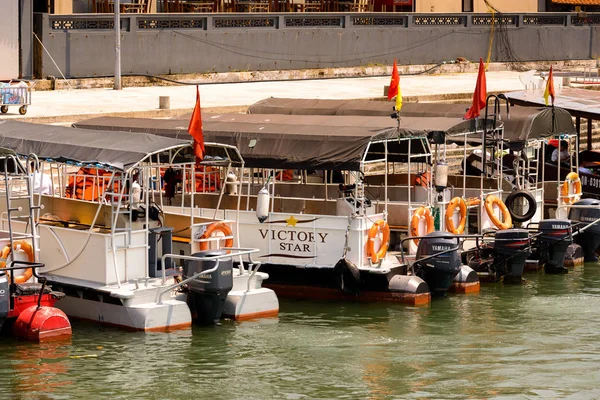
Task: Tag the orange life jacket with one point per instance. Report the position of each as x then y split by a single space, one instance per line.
90 184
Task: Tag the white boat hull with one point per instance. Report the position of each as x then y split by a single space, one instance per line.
148 317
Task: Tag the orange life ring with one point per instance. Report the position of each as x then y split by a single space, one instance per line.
565 195
489 203
24 246
416 218
384 228
462 205
216 226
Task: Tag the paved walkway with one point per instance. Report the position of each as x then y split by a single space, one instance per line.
76 104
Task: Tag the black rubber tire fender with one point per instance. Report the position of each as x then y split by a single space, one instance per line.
510 202
347 277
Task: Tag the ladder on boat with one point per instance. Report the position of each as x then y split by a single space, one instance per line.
492 138
21 206
121 214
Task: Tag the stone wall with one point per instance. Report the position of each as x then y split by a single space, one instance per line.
83 45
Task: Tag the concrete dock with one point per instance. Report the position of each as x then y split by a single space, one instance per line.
63 106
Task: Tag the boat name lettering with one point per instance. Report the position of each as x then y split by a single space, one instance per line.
294 241
300 236
590 181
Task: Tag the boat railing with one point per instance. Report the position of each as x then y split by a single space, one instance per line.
231 252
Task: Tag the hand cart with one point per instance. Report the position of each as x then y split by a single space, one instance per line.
15 94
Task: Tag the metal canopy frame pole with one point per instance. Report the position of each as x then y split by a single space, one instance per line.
589 133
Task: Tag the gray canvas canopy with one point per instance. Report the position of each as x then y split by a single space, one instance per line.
110 149
524 122
354 107
301 142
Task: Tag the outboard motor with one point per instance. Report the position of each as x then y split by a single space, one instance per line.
512 247
552 243
4 298
436 263
589 240
207 293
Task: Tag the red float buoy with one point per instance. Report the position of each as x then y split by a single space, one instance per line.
42 323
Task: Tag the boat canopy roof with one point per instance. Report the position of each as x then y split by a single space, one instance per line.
379 108
305 141
525 123
579 102
105 149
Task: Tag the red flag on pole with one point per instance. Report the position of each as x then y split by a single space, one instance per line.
395 82
195 129
480 94
549 92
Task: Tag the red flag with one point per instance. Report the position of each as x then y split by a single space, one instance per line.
395 83
195 129
480 94
549 92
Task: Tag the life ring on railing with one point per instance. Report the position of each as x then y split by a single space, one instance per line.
462 205
384 228
565 195
489 203
416 218
212 228
24 246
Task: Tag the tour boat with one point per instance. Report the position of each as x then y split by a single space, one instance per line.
521 135
107 245
325 235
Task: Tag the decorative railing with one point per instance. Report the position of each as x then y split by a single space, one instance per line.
130 22
501 20
450 20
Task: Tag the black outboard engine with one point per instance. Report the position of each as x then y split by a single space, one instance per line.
589 240
207 293
436 263
552 243
512 247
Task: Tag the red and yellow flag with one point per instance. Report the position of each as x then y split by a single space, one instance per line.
394 89
195 129
549 88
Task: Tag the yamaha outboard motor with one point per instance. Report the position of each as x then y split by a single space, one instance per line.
4 298
512 247
436 263
552 243
589 239
207 293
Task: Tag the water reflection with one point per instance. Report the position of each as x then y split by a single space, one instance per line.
539 339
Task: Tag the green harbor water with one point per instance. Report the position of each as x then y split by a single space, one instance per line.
540 339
